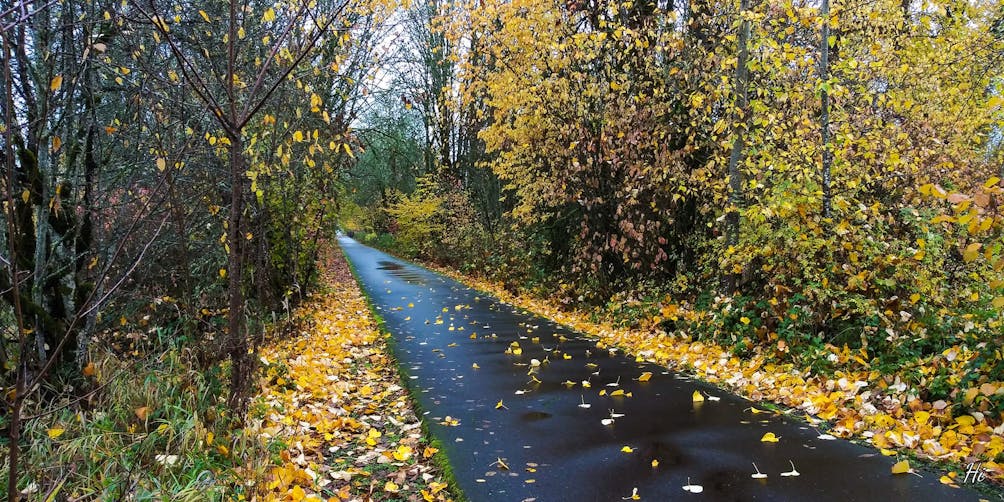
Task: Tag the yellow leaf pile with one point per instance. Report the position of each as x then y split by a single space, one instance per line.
857 400
333 394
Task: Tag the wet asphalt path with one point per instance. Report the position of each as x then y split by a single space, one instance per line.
556 449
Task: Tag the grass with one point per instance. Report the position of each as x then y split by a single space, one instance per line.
156 429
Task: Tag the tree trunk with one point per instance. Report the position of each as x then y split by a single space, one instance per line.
740 124
824 100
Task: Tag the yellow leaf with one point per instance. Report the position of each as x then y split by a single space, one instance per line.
204 15
223 273
403 453
372 436
25 195
55 432
627 449
655 463
161 164
142 412
210 437
56 83
914 298
89 370
769 438
475 366
57 142
998 302
298 136
744 320
901 467
972 252
698 397
945 480
429 452
646 376
499 405
991 182
269 15
348 150
921 417
297 494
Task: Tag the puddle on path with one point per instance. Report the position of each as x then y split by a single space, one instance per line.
400 271
389 265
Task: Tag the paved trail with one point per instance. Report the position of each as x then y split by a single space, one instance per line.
452 341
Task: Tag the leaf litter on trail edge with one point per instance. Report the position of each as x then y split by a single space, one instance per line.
333 394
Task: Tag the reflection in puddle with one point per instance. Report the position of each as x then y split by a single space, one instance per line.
533 416
399 270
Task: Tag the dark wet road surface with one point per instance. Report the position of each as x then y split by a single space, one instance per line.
556 449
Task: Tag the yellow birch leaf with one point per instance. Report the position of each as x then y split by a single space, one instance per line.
403 453
698 397
56 83
769 437
972 252
55 432
901 467
646 376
